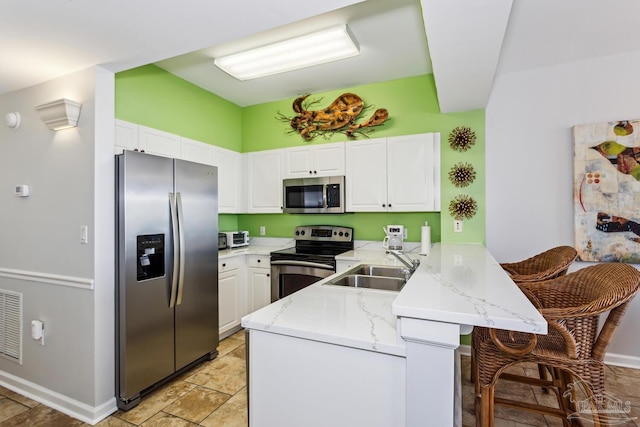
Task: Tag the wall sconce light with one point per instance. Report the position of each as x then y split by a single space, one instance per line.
60 114
13 120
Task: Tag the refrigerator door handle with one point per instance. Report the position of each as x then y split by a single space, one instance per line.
176 250
182 250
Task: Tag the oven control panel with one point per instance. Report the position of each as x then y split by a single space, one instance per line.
324 233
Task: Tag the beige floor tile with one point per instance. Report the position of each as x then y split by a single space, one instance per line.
155 402
227 375
197 404
42 416
227 345
114 422
162 419
10 408
240 335
18 397
468 405
239 352
233 413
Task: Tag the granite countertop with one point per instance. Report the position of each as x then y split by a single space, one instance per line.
455 283
258 246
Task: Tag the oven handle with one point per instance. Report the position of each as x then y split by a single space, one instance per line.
303 264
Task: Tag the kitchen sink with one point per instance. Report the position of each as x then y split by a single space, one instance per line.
382 270
383 277
371 282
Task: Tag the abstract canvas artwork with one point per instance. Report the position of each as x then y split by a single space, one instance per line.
607 191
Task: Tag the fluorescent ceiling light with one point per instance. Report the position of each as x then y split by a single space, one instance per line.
292 54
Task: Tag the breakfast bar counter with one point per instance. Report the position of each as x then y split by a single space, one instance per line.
391 355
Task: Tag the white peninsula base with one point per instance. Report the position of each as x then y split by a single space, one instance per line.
340 356
299 382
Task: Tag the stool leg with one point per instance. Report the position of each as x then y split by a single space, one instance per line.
485 406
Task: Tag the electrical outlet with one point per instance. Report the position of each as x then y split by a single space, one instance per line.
457 225
263 230
405 233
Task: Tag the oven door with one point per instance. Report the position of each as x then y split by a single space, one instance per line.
289 276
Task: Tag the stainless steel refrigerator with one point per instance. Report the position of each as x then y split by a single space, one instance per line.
166 270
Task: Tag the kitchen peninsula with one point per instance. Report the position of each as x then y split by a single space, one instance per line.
343 356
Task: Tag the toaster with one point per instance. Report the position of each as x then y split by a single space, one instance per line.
236 239
222 241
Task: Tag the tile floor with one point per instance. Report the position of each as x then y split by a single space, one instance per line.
213 394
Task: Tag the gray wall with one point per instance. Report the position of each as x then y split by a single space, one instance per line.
529 159
64 283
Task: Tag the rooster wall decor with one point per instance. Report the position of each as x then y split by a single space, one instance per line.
339 117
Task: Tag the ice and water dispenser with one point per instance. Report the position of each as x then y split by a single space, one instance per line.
150 250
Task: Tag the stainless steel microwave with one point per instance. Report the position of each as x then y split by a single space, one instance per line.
314 195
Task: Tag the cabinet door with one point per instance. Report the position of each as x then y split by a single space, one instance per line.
298 162
410 169
265 170
229 300
366 176
319 160
330 159
157 142
126 136
230 180
259 288
196 151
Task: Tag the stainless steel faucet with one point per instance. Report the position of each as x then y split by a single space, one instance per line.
411 264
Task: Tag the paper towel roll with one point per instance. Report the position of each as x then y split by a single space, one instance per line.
425 234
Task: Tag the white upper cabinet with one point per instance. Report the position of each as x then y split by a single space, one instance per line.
154 141
126 135
196 151
397 174
366 179
231 194
413 173
264 186
316 160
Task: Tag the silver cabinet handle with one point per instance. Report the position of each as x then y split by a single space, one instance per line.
182 249
176 250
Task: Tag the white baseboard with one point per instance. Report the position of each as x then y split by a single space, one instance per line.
622 360
609 358
464 350
81 411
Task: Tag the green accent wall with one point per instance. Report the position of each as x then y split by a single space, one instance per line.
152 97
367 226
413 108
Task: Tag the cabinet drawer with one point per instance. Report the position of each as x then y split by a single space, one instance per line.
260 261
228 264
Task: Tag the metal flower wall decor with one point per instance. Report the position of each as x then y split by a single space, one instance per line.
339 117
463 207
462 174
462 138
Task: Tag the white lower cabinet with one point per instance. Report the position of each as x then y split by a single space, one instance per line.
231 294
352 387
259 282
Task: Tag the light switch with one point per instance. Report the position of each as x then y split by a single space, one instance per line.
84 234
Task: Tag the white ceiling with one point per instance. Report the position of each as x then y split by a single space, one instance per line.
469 41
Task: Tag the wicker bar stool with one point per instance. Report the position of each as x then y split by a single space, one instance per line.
574 348
546 265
